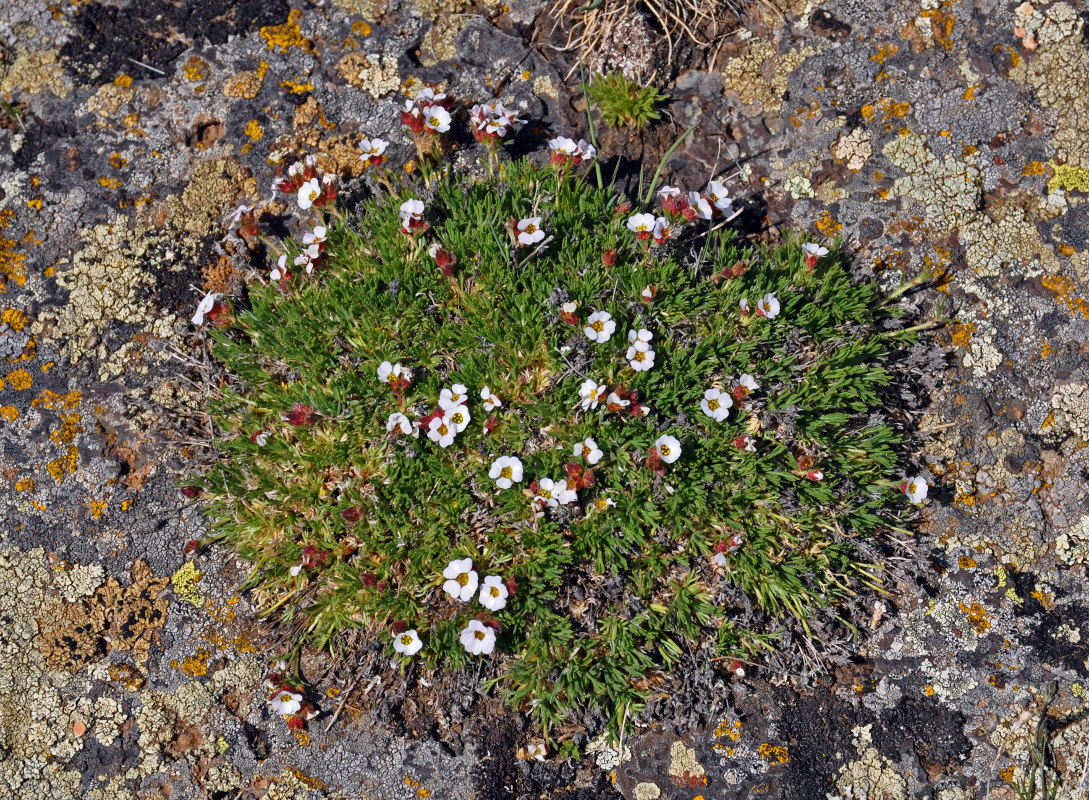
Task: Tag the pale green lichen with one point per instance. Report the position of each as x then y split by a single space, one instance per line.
1068 178
871 774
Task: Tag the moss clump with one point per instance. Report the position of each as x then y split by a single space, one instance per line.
352 513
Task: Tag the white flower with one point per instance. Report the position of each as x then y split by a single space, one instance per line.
641 335
585 150
457 418
599 327
720 559
204 306
617 401
429 96
506 471
748 381
641 223
285 702
604 503
716 404
442 431
588 449
916 489
308 193
669 449
387 372
261 439
717 194
491 400
640 356
238 212
668 191
436 118
398 421
316 236
411 210
372 148
649 293
744 305
569 307
554 493
768 306
280 270
563 146
814 250
454 396
307 257
529 231
477 638
493 594
591 393
295 570
662 230
407 643
461 579
700 203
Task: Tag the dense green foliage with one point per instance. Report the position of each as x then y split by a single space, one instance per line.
599 594
624 102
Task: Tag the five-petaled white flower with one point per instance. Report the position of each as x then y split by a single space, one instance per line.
506 471
399 422
604 503
748 382
716 404
316 236
477 638
768 306
585 150
555 493
461 579
563 146
701 204
599 327
589 450
916 489
388 373
591 393
529 231
491 400
407 643
285 702
372 148
814 250
411 210
718 194
641 223
662 231
454 396
307 257
441 430
493 594
436 118
280 270
669 449
744 305
204 306
668 191
308 193
640 356
458 417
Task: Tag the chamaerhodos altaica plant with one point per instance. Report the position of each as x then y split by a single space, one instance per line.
518 420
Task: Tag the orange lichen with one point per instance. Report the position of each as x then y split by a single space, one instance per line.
977 617
12 260
56 402
60 468
98 508
1065 294
66 432
966 562
9 413
884 52
196 69
24 485
288 35
774 754
19 379
828 225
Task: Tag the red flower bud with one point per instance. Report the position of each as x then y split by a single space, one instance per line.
608 257
296 723
369 580
815 475
490 424
512 587
191 492
806 462
398 627
352 514
382 586
624 207
301 414
191 547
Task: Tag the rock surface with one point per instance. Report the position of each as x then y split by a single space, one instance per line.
944 136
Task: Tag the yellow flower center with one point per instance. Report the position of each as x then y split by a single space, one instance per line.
495 591
712 404
479 635
457 419
463 578
312 194
639 355
506 472
406 639
530 228
545 493
434 122
713 197
598 326
664 450
443 430
911 488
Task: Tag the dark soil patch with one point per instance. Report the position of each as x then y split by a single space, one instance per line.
933 732
1044 622
155 32
814 727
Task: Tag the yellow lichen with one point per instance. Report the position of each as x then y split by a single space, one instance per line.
286 36
1068 178
19 379
184 582
196 69
12 260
